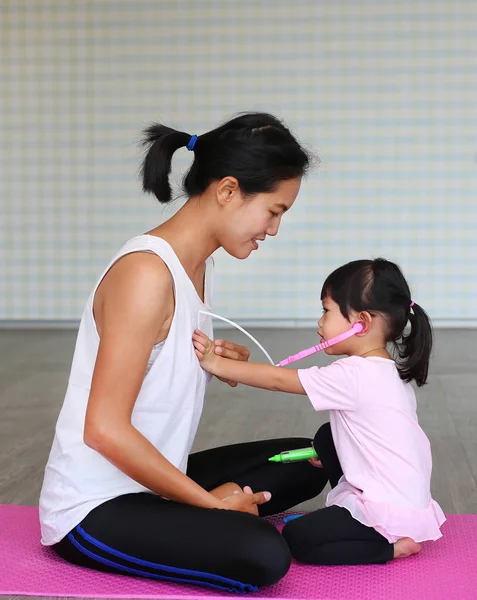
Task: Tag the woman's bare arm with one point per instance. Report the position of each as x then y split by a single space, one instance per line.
135 307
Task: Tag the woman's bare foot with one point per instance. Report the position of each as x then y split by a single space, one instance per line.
406 547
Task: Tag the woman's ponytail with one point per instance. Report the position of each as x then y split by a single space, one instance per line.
161 143
255 148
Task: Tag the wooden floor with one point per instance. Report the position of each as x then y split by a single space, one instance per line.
34 369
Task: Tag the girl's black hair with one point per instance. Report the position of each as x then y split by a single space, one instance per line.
379 287
255 148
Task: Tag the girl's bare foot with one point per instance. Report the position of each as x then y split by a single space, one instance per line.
406 547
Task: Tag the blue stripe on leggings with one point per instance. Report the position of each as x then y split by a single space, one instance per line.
120 567
234 586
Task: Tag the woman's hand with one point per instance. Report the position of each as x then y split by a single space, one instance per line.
226 489
245 501
231 494
232 351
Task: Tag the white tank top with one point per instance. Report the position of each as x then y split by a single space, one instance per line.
166 412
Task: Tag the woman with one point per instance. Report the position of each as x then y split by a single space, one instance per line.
121 492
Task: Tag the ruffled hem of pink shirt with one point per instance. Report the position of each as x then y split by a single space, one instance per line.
392 522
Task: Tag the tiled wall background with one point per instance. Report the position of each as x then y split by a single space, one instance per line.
384 92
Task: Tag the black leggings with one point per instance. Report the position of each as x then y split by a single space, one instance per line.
331 536
144 535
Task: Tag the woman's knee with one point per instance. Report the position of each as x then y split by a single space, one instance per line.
265 556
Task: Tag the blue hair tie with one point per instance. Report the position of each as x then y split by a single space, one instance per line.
192 142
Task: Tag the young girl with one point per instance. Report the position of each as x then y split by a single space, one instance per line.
380 505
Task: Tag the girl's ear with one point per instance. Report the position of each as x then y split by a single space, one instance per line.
365 319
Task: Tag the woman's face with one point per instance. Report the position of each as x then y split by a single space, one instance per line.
250 220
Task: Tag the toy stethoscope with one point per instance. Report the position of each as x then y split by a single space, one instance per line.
357 328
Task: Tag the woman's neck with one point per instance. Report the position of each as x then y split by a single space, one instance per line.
188 232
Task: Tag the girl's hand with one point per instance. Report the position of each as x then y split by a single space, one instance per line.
205 351
316 462
233 351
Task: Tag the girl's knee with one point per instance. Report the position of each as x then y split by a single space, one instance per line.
300 541
323 437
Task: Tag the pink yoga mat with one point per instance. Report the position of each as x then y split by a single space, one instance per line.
444 570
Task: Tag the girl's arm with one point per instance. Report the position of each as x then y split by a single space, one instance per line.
256 375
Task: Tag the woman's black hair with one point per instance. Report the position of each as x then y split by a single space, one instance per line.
255 148
379 287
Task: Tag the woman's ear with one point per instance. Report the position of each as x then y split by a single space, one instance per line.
226 189
366 320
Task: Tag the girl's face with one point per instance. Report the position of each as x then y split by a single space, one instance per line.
331 324
249 221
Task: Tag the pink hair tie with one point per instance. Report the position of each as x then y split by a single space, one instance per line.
411 305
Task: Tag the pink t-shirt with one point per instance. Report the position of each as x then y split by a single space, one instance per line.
384 453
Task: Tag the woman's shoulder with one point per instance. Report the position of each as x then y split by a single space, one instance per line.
138 287
138 271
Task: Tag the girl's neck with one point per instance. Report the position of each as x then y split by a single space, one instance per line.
379 352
